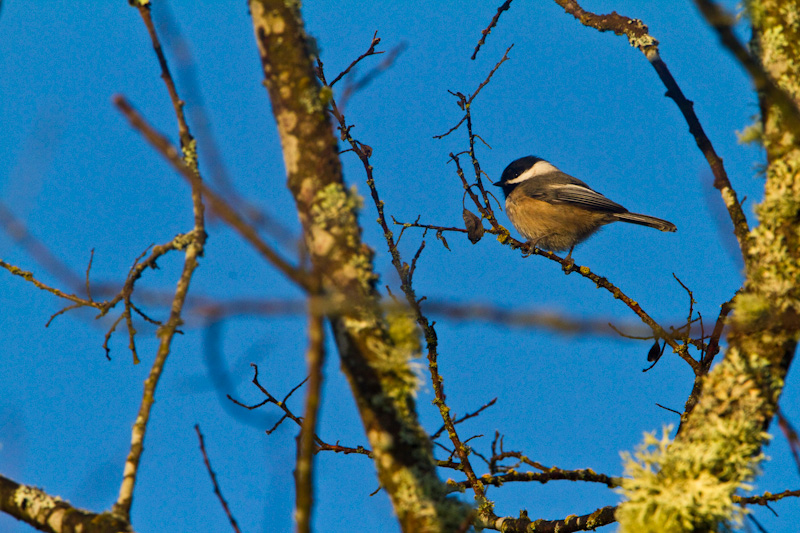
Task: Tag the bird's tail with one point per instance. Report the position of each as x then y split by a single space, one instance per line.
646 220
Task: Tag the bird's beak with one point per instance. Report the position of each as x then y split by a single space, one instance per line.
496 184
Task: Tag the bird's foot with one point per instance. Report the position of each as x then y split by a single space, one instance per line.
568 263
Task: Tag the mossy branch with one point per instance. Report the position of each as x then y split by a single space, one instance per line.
378 370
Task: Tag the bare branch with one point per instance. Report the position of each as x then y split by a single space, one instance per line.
765 498
723 22
370 52
193 245
637 33
504 7
587 475
469 99
220 206
213 476
304 482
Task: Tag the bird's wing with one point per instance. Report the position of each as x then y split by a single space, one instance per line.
564 189
583 196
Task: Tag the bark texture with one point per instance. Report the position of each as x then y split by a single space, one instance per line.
52 514
376 364
689 484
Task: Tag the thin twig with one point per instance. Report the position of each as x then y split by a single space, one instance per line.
224 210
41 254
28 276
791 437
571 524
288 414
360 84
492 24
716 334
370 52
426 226
499 480
193 245
422 320
217 491
765 498
473 95
465 417
723 22
166 75
88 270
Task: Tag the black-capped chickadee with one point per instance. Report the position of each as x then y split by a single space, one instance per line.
555 211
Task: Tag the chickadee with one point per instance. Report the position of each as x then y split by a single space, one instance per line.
555 211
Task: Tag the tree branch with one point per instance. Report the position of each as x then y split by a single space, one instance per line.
213 476
304 486
193 245
378 371
638 36
52 514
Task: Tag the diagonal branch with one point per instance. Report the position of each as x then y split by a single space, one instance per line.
722 22
637 33
220 207
193 245
52 514
504 7
213 476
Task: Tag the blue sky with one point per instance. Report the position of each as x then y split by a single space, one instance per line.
81 179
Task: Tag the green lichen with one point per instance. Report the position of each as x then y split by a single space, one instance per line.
35 502
335 207
190 154
337 235
751 134
689 484
309 99
325 95
642 42
669 492
751 309
404 332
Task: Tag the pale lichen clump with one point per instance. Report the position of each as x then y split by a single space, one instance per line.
310 98
644 41
190 154
36 503
405 332
751 134
671 492
336 209
689 484
773 273
337 235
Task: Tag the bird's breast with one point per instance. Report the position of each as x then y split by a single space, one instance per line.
555 227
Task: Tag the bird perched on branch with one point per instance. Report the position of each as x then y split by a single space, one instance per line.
555 211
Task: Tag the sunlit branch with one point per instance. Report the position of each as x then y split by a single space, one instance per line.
638 36
52 514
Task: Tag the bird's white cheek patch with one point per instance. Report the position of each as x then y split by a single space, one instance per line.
538 169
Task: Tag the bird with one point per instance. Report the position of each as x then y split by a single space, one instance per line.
555 211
